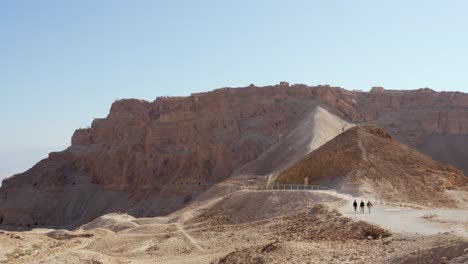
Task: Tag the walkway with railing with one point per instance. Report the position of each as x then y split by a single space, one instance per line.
285 187
297 187
246 186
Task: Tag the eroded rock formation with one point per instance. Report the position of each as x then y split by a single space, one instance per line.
435 123
149 158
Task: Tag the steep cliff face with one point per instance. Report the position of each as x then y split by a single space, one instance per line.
149 151
436 123
158 155
201 138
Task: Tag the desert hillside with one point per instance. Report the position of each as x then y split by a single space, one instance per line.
367 160
229 222
313 131
152 158
435 123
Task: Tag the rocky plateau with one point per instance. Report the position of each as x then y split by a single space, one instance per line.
152 158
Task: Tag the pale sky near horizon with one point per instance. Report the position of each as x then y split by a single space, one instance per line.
62 63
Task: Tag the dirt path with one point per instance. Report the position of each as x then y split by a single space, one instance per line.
363 150
413 221
189 237
345 197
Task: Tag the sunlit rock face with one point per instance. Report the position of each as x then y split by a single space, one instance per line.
146 151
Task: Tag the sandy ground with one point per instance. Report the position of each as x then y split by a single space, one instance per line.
252 227
413 221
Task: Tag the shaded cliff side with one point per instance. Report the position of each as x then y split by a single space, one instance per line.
435 123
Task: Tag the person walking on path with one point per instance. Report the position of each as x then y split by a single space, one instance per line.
362 206
355 206
369 205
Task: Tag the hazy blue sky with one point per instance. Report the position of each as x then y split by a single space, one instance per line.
62 63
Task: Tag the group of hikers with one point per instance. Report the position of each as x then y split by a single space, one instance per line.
355 204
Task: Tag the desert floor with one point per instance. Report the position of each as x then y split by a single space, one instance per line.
285 227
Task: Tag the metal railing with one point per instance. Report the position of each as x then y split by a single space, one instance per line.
285 187
297 187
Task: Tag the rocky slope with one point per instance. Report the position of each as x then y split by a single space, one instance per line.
367 160
150 158
313 131
435 123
